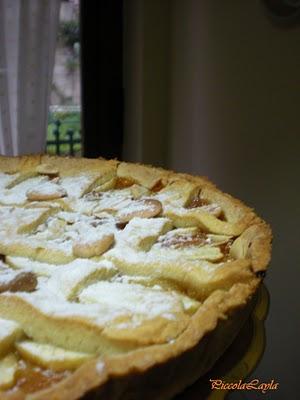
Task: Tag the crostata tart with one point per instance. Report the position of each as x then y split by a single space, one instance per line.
118 280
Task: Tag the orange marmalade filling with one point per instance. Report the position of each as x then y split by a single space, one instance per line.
225 249
31 378
122 183
158 187
197 202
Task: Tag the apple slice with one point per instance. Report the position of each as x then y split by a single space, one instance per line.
8 369
52 357
10 331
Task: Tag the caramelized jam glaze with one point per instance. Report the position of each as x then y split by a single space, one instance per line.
30 378
197 201
122 183
180 241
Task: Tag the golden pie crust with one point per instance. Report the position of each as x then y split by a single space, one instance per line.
119 280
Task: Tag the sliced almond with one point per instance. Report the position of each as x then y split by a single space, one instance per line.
96 247
145 208
46 191
8 369
52 357
179 238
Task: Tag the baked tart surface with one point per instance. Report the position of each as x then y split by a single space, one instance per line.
118 280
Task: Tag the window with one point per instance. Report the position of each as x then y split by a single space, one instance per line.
64 123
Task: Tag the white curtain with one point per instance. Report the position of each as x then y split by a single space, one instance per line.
28 32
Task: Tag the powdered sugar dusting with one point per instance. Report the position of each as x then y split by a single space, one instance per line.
76 186
13 219
132 298
7 328
100 366
143 232
17 194
47 188
121 288
6 179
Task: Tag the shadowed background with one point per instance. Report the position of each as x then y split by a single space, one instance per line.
213 88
